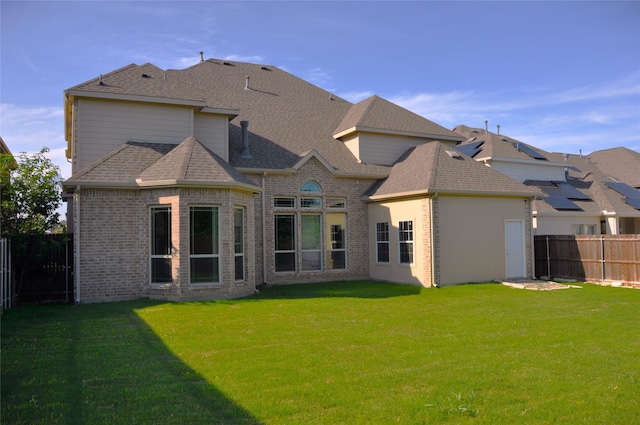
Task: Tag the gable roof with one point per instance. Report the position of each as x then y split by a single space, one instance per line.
621 163
288 116
497 145
142 164
435 168
376 114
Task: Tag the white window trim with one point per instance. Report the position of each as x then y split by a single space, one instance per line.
412 241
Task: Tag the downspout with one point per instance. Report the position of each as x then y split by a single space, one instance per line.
264 232
76 243
433 239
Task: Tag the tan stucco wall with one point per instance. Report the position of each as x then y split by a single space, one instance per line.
472 246
416 210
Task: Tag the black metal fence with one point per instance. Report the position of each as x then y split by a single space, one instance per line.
42 268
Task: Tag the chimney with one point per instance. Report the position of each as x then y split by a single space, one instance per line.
245 140
201 56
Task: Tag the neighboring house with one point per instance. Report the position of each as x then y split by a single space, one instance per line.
206 182
581 194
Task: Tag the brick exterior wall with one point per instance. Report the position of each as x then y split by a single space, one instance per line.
288 185
112 242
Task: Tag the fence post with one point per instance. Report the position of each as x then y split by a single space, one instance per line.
548 259
602 256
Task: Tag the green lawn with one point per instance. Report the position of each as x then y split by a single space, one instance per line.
333 353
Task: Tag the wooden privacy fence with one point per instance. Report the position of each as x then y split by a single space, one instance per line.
589 257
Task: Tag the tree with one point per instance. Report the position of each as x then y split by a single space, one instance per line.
32 195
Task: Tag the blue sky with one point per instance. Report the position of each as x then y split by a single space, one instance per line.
563 76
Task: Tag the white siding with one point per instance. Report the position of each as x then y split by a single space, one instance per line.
105 125
213 132
537 170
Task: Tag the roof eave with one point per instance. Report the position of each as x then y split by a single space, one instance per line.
358 129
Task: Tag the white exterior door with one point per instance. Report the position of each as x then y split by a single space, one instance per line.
514 235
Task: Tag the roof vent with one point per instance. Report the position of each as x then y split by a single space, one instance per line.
498 129
486 126
101 83
227 63
264 68
201 56
246 84
146 76
453 154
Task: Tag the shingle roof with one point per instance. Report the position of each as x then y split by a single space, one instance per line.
587 177
433 167
137 164
495 145
192 162
287 116
378 114
621 163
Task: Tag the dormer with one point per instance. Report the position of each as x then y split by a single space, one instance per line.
377 131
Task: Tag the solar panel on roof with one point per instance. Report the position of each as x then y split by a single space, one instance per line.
526 149
624 189
471 149
635 203
562 204
564 190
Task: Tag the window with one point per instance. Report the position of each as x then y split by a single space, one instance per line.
336 244
382 242
238 246
284 202
336 203
285 242
576 229
590 229
204 257
405 236
160 245
314 203
311 240
310 186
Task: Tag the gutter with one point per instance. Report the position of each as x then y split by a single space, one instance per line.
76 243
433 238
264 235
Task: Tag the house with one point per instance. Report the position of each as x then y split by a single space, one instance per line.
204 183
594 194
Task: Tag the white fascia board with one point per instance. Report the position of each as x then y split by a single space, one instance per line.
397 133
137 98
188 183
523 161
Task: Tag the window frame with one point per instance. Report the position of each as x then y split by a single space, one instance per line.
282 252
153 246
239 254
405 239
330 250
216 245
383 242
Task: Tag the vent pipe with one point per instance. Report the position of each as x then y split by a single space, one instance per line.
498 129
201 56
486 126
245 139
101 83
246 83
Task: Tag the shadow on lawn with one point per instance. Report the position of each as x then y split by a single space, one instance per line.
340 289
101 365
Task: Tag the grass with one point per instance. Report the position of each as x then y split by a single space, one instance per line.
338 353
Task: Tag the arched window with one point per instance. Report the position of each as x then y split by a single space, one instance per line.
311 186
